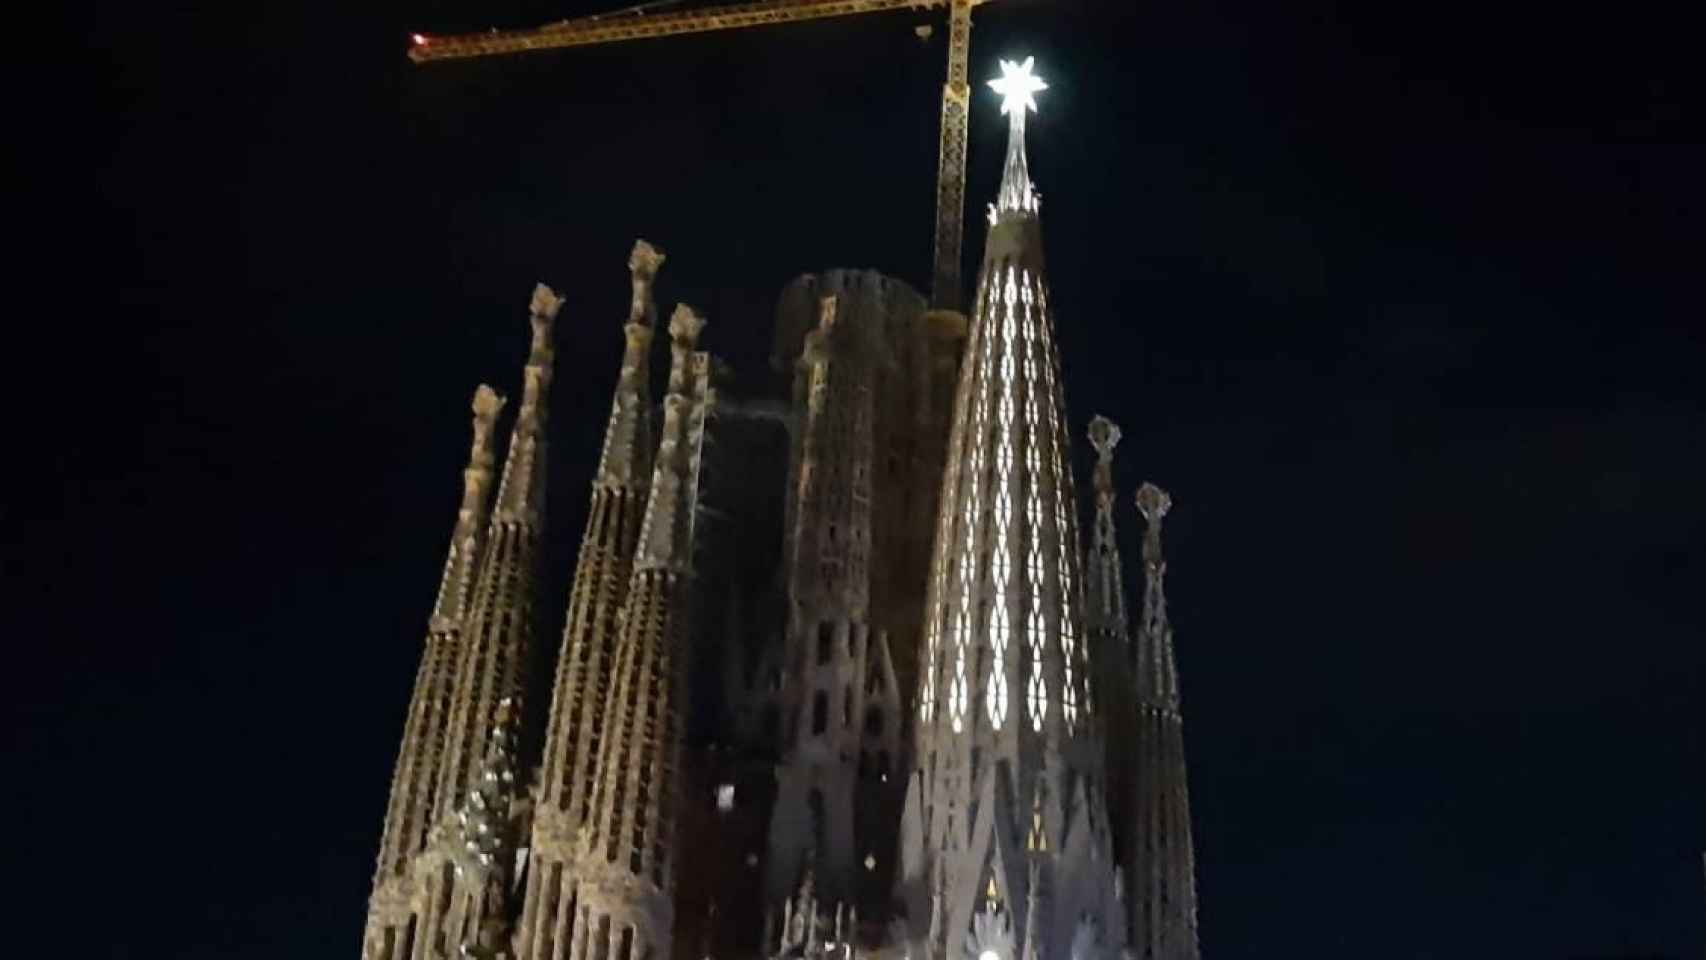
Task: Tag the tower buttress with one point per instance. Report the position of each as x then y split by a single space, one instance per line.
585 660
1162 901
415 780
624 900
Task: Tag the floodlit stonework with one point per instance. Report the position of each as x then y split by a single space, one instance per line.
837 675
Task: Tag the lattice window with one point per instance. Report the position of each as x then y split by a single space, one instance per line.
1000 557
959 688
1066 531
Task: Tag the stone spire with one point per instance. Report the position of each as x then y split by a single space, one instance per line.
499 626
585 661
1004 840
828 641
1157 672
1162 901
1103 594
624 906
415 780
1110 647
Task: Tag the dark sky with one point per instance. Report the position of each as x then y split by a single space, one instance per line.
1404 308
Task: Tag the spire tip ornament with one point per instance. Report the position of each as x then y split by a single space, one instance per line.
1018 86
1153 502
487 402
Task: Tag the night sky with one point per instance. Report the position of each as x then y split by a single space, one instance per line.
1404 308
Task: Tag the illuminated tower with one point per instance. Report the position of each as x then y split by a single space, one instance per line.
625 879
585 661
1162 899
414 783
1005 854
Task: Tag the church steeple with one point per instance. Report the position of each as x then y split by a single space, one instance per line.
1162 901
625 906
585 660
498 631
1005 833
414 783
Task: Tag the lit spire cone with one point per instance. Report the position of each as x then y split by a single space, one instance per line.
1005 849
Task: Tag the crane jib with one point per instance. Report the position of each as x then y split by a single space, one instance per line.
638 23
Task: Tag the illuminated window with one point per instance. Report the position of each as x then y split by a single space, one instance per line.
725 797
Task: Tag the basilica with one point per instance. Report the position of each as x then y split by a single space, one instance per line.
841 674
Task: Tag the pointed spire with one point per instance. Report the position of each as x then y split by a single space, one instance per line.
1162 902
626 459
471 515
664 532
1157 672
408 813
1003 712
586 657
1104 594
521 496
497 632
1017 86
626 870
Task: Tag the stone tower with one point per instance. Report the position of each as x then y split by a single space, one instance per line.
408 816
625 883
832 661
427 901
586 659
1110 645
498 634
1162 899
1005 854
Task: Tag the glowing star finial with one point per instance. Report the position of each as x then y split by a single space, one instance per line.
1018 86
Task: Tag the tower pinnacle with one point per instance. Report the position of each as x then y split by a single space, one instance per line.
586 659
1162 902
1018 87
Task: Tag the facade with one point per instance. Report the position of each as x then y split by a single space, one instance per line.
838 675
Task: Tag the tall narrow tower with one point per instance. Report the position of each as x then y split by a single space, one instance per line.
1005 851
624 907
829 645
1163 897
499 630
585 662
1110 647
414 783
496 633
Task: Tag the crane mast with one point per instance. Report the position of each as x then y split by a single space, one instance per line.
638 25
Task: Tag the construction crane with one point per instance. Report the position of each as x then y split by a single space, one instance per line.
637 23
